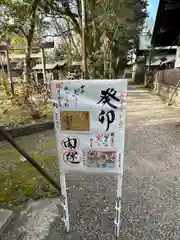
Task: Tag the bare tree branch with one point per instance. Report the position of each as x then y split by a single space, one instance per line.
60 34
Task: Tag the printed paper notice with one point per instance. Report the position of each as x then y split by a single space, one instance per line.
75 121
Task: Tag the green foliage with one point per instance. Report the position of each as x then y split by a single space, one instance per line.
17 40
4 83
20 17
117 24
17 15
112 28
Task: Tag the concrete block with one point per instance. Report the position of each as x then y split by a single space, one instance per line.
28 129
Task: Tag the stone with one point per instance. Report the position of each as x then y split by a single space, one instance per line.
6 217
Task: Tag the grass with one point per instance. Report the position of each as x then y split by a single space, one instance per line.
19 181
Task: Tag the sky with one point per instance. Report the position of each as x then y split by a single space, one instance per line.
152 8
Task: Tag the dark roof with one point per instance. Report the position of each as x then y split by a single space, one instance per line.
51 66
167 27
158 60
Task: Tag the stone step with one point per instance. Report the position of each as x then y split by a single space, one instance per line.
6 217
34 222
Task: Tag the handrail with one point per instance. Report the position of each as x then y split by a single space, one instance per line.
9 138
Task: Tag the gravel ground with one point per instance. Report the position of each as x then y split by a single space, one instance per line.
151 185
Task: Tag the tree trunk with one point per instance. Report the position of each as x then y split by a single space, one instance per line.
27 64
29 39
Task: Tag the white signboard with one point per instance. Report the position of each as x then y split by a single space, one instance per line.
89 119
90 124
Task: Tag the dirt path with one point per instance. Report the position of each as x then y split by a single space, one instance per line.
151 186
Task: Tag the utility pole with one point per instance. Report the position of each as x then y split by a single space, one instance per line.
84 51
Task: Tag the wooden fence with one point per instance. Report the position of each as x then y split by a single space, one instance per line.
168 77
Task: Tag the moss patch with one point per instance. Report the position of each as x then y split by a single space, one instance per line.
19 181
49 145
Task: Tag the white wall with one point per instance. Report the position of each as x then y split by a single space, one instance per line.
177 61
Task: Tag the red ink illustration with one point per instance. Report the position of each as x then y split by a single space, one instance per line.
58 85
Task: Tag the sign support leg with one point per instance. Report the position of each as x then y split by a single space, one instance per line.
118 206
64 201
119 195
